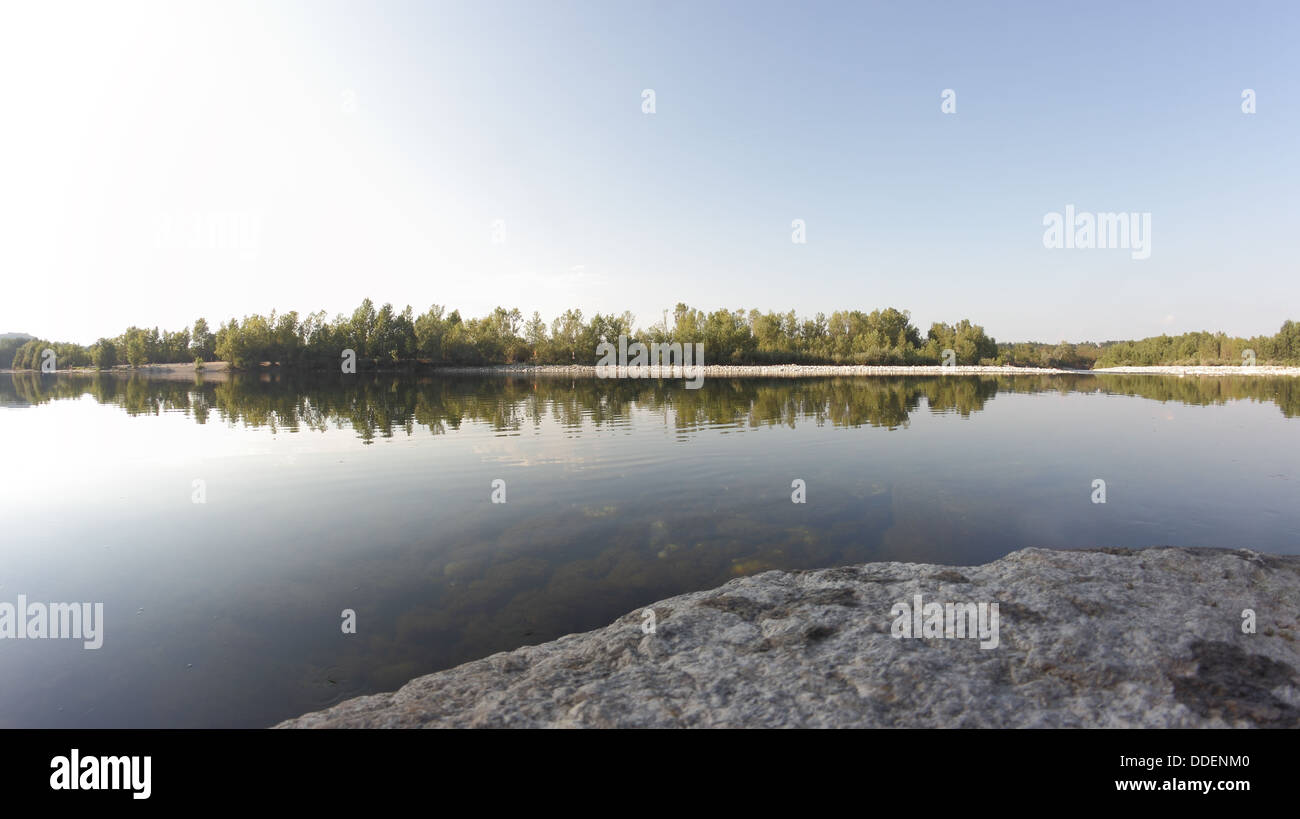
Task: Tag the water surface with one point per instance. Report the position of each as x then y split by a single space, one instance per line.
374 494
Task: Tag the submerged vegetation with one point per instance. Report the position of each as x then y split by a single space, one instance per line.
388 338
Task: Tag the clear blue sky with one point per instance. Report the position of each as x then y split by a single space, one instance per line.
374 145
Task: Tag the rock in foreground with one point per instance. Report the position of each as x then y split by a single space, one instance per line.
1107 638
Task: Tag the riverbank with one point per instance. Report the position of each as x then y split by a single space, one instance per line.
831 370
1101 638
748 371
218 370
1189 370
212 370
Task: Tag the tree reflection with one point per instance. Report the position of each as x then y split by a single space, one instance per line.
382 406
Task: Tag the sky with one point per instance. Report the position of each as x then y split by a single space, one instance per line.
165 161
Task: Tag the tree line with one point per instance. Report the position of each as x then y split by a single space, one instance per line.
385 337
1206 348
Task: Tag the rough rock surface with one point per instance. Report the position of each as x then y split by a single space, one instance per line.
1105 638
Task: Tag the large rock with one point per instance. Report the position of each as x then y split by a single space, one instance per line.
1105 638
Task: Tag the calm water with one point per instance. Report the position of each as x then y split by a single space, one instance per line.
374 494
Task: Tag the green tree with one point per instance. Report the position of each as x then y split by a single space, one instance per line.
203 344
137 348
104 354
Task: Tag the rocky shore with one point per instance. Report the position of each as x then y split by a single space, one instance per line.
1096 638
219 370
826 370
1194 370
749 371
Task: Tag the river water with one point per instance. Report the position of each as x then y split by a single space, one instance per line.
226 527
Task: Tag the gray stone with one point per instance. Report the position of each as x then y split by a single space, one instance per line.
1100 638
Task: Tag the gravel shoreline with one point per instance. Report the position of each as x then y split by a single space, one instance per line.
219 370
1181 371
825 370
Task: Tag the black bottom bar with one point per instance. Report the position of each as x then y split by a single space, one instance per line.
327 769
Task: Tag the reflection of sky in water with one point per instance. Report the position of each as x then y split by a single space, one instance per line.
227 613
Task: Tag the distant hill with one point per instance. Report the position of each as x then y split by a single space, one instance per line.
20 336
